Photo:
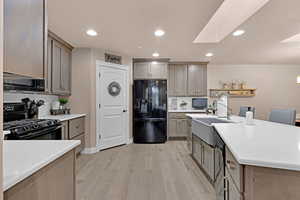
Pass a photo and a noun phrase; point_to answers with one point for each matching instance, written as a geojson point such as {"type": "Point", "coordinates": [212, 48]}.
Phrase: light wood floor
{"type": "Point", "coordinates": [142, 172]}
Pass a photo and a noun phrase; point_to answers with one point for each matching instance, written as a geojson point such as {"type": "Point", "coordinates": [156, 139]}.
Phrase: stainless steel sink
{"type": "Point", "coordinates": [203, 129]}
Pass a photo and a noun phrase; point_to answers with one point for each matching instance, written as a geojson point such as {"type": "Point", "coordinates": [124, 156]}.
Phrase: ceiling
{"type": "Point", "coordinates": [124, 26]}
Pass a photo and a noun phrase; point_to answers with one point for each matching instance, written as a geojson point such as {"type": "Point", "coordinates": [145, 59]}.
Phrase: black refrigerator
{"type": "Point", "coordinates": [150, 111]}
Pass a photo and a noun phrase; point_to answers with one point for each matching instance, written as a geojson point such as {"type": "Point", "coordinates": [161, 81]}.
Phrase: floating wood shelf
{"type": "Point", "coordinates": [232, 92]}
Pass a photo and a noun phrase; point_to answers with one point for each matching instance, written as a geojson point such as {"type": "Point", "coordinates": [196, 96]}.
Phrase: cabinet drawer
{"type": "Point", "coordinates": [177, 115]}
{"type": "Point", "coordinates": [235, 170]}
{"type": "Point", "coordinates": [76, 127]}
{"type": "Point", "coordinates": [82, 144]}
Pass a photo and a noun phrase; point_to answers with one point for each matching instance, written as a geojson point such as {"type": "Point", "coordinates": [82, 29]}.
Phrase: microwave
{"type": "Point", "coordinates": [199, 103]}
{"type": "Point", "coordinates": [14, 82]}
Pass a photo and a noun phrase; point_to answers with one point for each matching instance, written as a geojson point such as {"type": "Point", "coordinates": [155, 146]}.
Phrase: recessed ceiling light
{"type": "Point", "coordinates": [91, 32]}
{"type": "Point", "coordinates": [238, 33]}
{"type": "Point", "coordinates": [159, 33]}
{"type": "Point", "coordinates": [209, 55]}
{"type": "Point", "coordinates": [155, 54]}
{"type": "Point", "coordinates": [154, 62]}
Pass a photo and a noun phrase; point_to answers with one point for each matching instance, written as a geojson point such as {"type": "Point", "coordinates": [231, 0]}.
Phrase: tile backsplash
{"type": "Point", "coordinates": [180, 103]}
{"type": "Point", "coordinates": [43, 110]}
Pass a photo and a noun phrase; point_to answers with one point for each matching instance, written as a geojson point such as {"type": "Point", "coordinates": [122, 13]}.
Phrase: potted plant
{"type": "Point", "coordinates": [63, 102]}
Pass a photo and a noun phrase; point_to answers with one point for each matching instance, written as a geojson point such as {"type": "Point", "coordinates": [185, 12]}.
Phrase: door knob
{"type": "Point", "coordinates": [124, 111]}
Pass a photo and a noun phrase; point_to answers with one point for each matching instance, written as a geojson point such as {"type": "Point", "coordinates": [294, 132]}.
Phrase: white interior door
{"type": "Point", "coordinates": [112, 118]}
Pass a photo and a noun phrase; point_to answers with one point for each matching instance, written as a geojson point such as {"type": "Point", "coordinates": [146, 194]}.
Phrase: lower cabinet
{"type": "Point", "coordinates": [232, 193]}
{"type": "Point", "coordinates": [197, 149]}
{"type": "Point", "coordinates": [178, 127]}
{"type": "Point", "coordinates": [55, 181]}
{"type": "Point", "coordinates": [74, 129]}
{"type": "Point", "coordinates": [204, 155]}
{"type": "Point", "coordinates": [208, 160]}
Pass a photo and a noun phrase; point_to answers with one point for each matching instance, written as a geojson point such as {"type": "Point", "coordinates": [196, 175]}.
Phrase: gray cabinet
{"type": "Point", "coordinates": [197, 149]}
{"type": "Point", "coordinates": [148, 70]}
{"type": "Point", "coordinates": [208, 160]}
{"type": "Point", "coordinates": [231, 193]}
{"type": "Point", "coordinates": [178, 128]}
{"type": "Point", "coordinates": [61, 68]}
{"type": "Point", "coordinates": [74, 129]}
{"type": "Point", "coordinates": [159, 71]}
{"type": "Point", "coordinates": [197, 80]}
{"type": "Point", "coordinates": [24, 32]}
{"type": "Point", "coordinates": [141, 71]}
{"type": "Point", "coordinates": [65, 130]}
{"type": "Point", "coordinates": [177, 80]}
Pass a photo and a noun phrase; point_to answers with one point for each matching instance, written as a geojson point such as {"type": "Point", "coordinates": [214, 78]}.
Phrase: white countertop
{"type": "Point", "coordinates": [63, 117]}
{"type": "Point", "coordinates": [186, 111]}
{"type": "Point", "coordinates": [23, 158]}
{"type": "Point", "coordinates": [264, 144]}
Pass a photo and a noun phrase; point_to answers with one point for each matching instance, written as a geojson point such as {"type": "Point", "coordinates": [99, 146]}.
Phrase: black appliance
{"type": "Point", "coordinates": [150, 111]}
{"type": "Point", "coordinates": [21, 128]}
{"type": "Point", "coordinates": [14, 82]}
{"type": "Point", "coordinates": [200, 103]}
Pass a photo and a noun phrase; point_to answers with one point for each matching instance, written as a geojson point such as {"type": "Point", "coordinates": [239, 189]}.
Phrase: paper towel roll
{"type": "Point", "coordinates": [249, 118]}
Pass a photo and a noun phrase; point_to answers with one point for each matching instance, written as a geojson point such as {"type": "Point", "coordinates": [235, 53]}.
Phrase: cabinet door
{"type": "Point", "coordinates": [141, 71]}
{"type": "Point", "coordinates": [197, 149]}
{"type": "Point", "coordinates": [232, 193]}
{"type": "Point", "coordinates": [171, 80]}
{"type": "Point", "coordinates": [48, 67]}
{"type": "Point", "coordinates": [24, 32]}
{"type": "Point", "coordinates": [172, 127]}
{"type": "Point", "coordinates": [56, 67]}
{"type": "Point", "coordinates": [159, 71]}
{"type": "Point", "coordinates": [182, 127]}
{"type": "Point", "coordinates": [66, 70]}
{"type": "Point", "coordinates": [208, 160]}
{"type": "Point", "coordinates": [197, 80]}
{"type": "Point", "coordinates": [61, 69]}
{"type": "Point", "coordinates": [65, 130]}
{"type": "Point", "coordinates": [180, 80]}
{"type": "Point", "coordinates": [189, 134]}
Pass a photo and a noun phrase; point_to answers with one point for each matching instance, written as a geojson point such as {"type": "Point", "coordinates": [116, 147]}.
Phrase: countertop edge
{"type": "Point", "coordinates": [63, 118]}
{"type": "Point", "coordinates": [7, 185]}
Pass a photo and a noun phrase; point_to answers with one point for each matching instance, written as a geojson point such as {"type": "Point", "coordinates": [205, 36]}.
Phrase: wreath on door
{"type": "Point", "coordinates": [114, 88]}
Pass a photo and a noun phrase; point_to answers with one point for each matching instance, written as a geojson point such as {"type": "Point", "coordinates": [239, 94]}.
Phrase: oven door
{"type": "Point", "coordinates": [53, 133]}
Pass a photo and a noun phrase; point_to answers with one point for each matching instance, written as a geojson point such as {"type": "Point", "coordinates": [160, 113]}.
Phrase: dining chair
{"type": "Point", "coordinates": [283, 116]}
{"type": "Point", "coordinates": [244, 109]}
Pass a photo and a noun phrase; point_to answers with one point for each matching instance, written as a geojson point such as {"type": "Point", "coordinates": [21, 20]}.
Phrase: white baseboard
{"type": "Point", "coordinates": [91, 150]}
{"type": "Point", "coordinates": [129, 141]}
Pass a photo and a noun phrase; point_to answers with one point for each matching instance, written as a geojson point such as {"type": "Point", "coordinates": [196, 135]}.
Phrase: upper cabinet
{"type": "Point", "coordinates": [187, 80]}
{"type": "Point", "coordinates": [59, 66]}
{"type": "Point", "coordinates": [24, 37]}
{"type": "Point", "coordinates": [177, 85]}
{"type": "Point", "coordinates": [197, 80]}
{"type": "Point", "coordinates": [148, 70]}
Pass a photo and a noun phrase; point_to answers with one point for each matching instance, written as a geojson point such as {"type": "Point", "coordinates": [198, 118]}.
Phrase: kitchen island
{"type": "Point", "coordinates": [262, 160]}
{"type": "Point", "coordinates": [35, 170]}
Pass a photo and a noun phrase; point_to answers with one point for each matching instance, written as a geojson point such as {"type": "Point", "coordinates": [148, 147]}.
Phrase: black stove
{"type": "Point", "coordinates": [22, 128]}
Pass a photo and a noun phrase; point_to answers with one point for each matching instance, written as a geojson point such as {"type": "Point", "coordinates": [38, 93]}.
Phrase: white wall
{"type": "Point", "coordinates": [83, 99]}
{"type": "Point", "coordinates": [276, 85]}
